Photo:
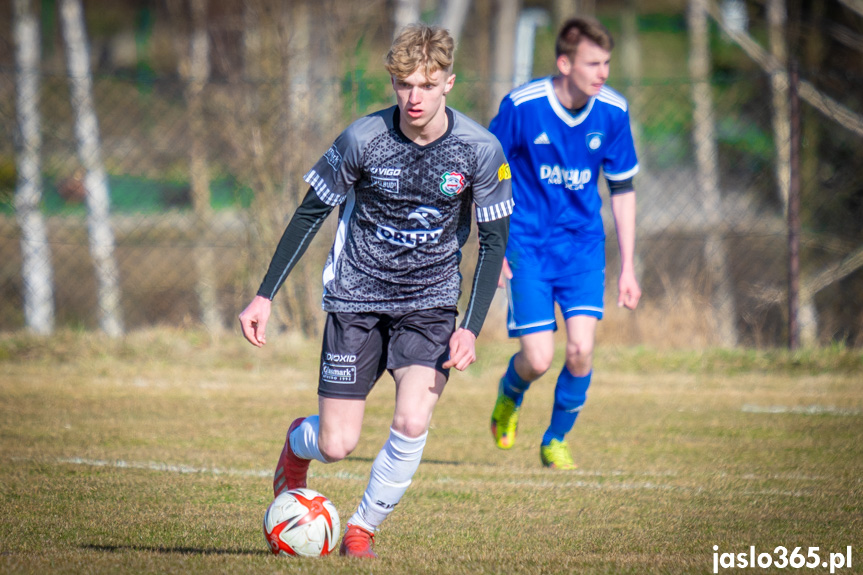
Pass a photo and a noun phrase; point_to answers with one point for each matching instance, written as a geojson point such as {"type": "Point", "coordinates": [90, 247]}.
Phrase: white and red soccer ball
{"type": "Point", "coordinates": [301, 523]}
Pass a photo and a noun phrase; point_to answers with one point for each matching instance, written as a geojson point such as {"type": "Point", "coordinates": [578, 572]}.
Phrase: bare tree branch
{"type": "Point", "coordinates": [821, 102]}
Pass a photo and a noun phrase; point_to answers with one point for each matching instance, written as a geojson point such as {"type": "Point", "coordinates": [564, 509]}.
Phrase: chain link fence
{"type": "Point", "coordinates": [713, 263]}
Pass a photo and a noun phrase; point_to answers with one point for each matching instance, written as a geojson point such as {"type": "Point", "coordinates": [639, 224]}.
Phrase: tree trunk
{"type": "Point", "coordinates": [563, 10]}
{"type": "Point", "coordinates": [630, 64]}
{"type": "Point", "coordinates": [405, 12]}
{"type": "Point", "coordinates": [525, 42]}
{"type": "Point", "coordinates": [274, 137]}
{"type": "Point", "coordinates": [776, 17]}
{"type": "Point", "coordinates": [566, 9]}
{"type": "Point", "coordinates": [807, 313]}
{"type": "Point", "coordinates": [481, 36]}
{"type": "Point", "coordinates": [297, 69]}
{"type": "Point", "coordinates": [586, 7]}
{"type": "Point", "coordinates": [252, 40]}
{"type": "Point", "coordinates": [294, 307]}
{"type": "Point", "coordinates": [503, 50]}
{"type": "Point", "coordinates": [37, 271]}
{"type": "Point", "coordinates": [812, 127]}
{"type": "Point", "coordinates": [95, 180]}
{"type": "Point", "coordinates": [192, 44]}
{"type": "Point", "coordinates": [704, 136]}
{"type": "Point", "coordinates": [196, 81]}
{"type": "Point", "coordinates": [453, 14]}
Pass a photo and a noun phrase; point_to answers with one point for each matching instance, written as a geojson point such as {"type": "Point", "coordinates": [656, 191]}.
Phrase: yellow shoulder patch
{"type": "Point", "coordinates": [503, 172]}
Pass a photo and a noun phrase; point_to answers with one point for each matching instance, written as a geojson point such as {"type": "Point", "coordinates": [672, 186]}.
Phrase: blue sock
{"type": "Point", "coordinates": [512, 385]}
{"type": "Point", "coordinates": [569, 396]}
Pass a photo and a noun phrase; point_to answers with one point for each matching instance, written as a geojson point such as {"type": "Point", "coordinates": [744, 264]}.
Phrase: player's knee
{"type": "Point", "coordinates": [537, 362]}
{"type": "Point", "coordinates": [579, 358]}
{"type": "Point", "coordinates": [410, 425]}
{"type": "Point", "coordinates": [336, 447]}
{"type": "Point", "coordinates": [579, 366]}
{"type": "Point", "coordinates": [579, 349]}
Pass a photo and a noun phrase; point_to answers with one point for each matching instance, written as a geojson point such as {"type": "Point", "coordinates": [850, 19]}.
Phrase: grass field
{"type": "Point", "coordinates": [154, 454]}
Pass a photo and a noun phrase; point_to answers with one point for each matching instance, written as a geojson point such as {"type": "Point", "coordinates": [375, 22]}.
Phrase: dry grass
{"type": "Point", "coordinates": [153, 454]}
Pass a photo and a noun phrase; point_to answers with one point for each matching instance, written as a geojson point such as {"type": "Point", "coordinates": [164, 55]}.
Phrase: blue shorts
{"type": "Point", "coordinates": [531, 301]}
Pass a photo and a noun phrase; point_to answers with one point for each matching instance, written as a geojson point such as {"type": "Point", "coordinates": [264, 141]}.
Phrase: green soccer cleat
{"type": "Point", "coordinates": [504, 421]}
{"type": "Point", "coordinates": [556, 455]}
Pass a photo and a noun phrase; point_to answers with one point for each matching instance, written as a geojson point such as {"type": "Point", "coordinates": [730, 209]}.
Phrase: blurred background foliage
{"type": "Point", "coordinates": [283, 78]}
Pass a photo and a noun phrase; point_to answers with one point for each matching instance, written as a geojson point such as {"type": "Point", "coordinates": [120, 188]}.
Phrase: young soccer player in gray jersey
{"type": "Point", "coordinates": [406, 180]}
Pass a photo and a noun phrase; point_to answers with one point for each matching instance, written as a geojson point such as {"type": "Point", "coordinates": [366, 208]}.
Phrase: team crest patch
{"type": "Point", "coordinates": [334, 158]}
{"type": "Point", "coordinates": [452, 184]}
{"type": "Point", "coordinates": [594, 141]}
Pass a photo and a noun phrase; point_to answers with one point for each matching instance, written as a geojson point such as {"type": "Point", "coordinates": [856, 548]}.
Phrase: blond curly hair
{"type": "Point", "coordinates": [420, 46]}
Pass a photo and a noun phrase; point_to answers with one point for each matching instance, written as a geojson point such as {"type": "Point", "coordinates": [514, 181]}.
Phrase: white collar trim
{"type": "Point", "coordinates": [562, 112]}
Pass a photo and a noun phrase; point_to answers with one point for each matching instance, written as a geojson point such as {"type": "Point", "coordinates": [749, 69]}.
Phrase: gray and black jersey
{"type": "Point", "coordinates": [404, 214]}
{"type": "Point", "coordinates": [405, 211]}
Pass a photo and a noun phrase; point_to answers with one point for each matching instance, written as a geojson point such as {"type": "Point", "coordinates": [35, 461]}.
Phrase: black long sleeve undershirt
{"type": "Point", "coordinates": [309, 218]}
{"type": "Point", "coordinates": [492, 247]}
{"type": "Point", "coordinates": [304, 224]}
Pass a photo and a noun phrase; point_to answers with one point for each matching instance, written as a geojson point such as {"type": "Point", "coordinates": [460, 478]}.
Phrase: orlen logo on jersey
{"type": "Point", "coordinates": [572, 179]}
{"type": "Point", "coordinates": [425, 215]}
{"type": "Point", "coordinates": [410, 238]}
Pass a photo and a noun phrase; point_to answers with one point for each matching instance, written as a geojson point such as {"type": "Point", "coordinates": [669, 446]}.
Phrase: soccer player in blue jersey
{"type": "Point", "coordinates": [407, 181]}
{"type": "Point", "coordinates": [558, 134]}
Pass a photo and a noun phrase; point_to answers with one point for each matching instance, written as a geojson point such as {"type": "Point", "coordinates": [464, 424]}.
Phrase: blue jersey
{"type": "Point", "coordinates": [555, 157]}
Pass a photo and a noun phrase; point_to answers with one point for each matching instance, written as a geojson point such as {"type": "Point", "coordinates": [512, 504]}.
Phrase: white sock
{"type": "Point", "coordinates": [392, 472]}
{"type": "Point", "coordinates": [304, 440]}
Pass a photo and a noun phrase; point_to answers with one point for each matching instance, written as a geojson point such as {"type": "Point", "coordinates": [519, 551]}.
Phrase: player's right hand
{"type": "Point", "coordinates": [628, 290]}
{"type": "Point", "coordinates": [253, 320]}
{"type": "Point", "coordinates": [462, 349]}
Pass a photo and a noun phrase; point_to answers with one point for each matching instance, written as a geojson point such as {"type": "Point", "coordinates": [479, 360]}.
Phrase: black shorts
{"type": "Point", "coordinates": [358, 347]}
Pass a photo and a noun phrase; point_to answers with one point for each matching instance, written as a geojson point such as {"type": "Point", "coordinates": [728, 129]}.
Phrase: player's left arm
{"type": "Point", "coordinates": [623, 209]}
{"type": "Point", "coordinates": [493, 236]}
{"type": "Point", "coordinates": [619, 166]}
{"type": "Point", "coordinates": [491, 191]}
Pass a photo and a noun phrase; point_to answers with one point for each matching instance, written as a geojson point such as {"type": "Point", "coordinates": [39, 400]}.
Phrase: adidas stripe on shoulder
{"type": "Point", "coordinates": [529, 91]}
{"type": "Point", "coordinates": [609, 96]}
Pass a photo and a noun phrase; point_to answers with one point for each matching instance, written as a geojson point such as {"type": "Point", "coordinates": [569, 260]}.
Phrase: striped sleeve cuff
{"type": "Point", "coordinates": [322, 189]}
{"type": "Point", "coordinates": [495, 212]}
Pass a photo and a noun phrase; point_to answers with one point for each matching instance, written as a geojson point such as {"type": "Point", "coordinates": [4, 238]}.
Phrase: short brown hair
{"type": "Point", "coordinates": [575, 30]}
{"type": "Point", "coordinates": [420, 46]}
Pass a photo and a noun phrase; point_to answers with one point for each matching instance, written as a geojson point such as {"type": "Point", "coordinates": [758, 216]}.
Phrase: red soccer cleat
{"type": "Point", "coordinates": [357, 542]}
{"type": "Point", "coordinates": [291, 470]}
